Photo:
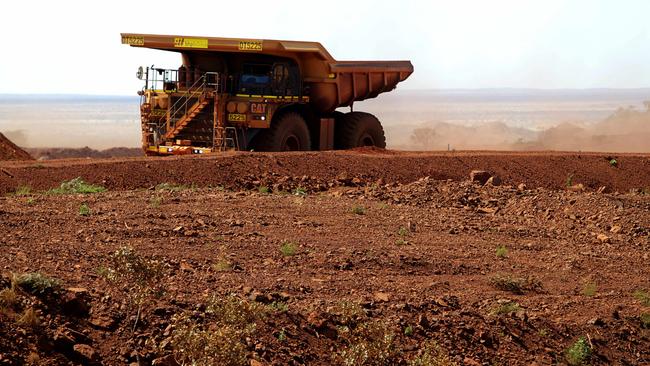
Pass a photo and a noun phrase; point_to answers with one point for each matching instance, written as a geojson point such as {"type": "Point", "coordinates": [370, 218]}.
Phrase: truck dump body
{"type": "Point", "coordinates": [331, 83]}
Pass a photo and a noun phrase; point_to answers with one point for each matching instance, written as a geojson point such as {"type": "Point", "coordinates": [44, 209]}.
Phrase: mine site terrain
{"type": "Point", "coordinates": [364, 257]}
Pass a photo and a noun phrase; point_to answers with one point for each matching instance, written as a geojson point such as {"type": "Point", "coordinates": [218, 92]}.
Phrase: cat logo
{"type": "Point", "coordinates": [258, 108]}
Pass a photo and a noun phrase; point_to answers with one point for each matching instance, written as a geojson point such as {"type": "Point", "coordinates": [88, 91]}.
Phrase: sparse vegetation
{"type": "Point", "coordinates": [155, 201]}
{"type": "Point", "coordinates": [76, 186]}
{"type": "Point", "coordinates": [29, 318]}
{"type": "Point", "coordinates": [173, 187]}
{"type": "Point", "coordinates": [279, 306]}
{"type": "Point", "coordinates": [408, 331]}
{"type": "Point", "coordinates": [38, 284]}
{"type": "Point", "coordinates": [402, 231]}
{"type": "Point", "coordinates": [8, 298]}
{"type": "Point", "coordinates": [432, 355]}
{"type": "Point", "coordinates": [579, 353]}
{"type": "Point", "coordinates": [516, 285]}
{"type": "Point", "coordinates": [569, 180]}
{"type": "Point", "coordinates": [288, 249]}
{"type": "Point", "coordinates": [219, 337]}
{"type": "Point", "coordinates": [358, 210]}
{"type": "Point", "coordinates": [222, 265]}
{"type": "Point", "coordinates": [645, 320]}
{"type": "Point", "coordinates": [502, 251]}
{"type": "Point", "coordinates": [403, 234]}
{"type": "Point", "coordinates": [84, 210]}
{"type": "Point", "coordinates": [506, 308]}
{"type": "Point", "coordinates": [263, 189]}
{"type": "Point", "coordinates": [589, 289]}
{"type": "Point", "coordinates": [370, 343]}
{"type": "Point", "coordinates": [643, 297]}
{"type": "Point", "coordinates": [23, 191]}
{"type": "Point", "coordinates": [299, 191]}
{"type": "Point", "coordinates": [140, 278]}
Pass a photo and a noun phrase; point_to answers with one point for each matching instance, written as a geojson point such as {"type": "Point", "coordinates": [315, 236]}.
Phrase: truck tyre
{"type": "Point", "coordinates": [288, 133]}
{"type": "Point", "coordinates": [358, 129]}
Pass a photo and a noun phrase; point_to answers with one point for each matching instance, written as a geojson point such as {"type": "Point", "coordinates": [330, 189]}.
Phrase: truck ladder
{"type": "Point", "coordinates": [226, 139]}
{"type": "Point", "coordinates": [188, 117]}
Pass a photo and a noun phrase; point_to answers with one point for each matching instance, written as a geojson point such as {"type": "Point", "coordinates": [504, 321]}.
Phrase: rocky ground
{"type": "Point", "coordinates": [372, 263]}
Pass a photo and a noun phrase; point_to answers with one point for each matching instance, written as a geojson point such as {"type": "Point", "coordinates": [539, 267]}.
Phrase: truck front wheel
{"type": "Point", "coordinates": [288, 133]}
{"type": "Point", "coordinates": [358, 129]}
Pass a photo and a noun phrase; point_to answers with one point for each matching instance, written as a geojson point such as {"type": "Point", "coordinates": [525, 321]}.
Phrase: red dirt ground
{"type": "Point", "coordinates": [345, 253]}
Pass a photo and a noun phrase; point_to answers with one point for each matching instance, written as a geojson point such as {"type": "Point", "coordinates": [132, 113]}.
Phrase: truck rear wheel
{"type": "Point", "coordinates": [288, 133]}
{"type": "Point", "coordinates": [358, 129]}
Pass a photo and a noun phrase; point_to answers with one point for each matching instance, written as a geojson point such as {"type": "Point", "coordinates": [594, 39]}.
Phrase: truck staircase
{"type": "Point", "coordinates": [226, 139]}
{"type": "Point", "coordinates": [188, 117]}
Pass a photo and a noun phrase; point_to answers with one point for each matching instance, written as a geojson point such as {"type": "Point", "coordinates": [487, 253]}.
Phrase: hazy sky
{"type": "Point", "coordinates": [74, 46]}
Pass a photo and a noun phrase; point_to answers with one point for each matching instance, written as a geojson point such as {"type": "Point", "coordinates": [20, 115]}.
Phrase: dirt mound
{"type": "Point", "coordinates": [84, 152]}
{"type": "Point", "coordinates": [237, 170]}
{"type": "Point", "coordinates": [9, 150]}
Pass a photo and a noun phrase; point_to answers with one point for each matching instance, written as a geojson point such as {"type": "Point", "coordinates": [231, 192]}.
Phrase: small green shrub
{"type": "Point", "coordinates": [84, 210]}
{"type": "Point", "coordinates": [569, 180]}
{"type": "Point", "coordinates": [370, 343]}
{"type": "Point", "coordinates": [155, 201]}
{"type": "Point", "coordinates": [300, 191]}
{"type": "Point", "coordinates": [279, 307]}
{"type": "Point", "coordinates": [589, 289]}
{"type": "Point", "coordinates": [358, 210]}
{"type": "Point", "coordinates": [76, 186]}
{"type": "Point", "coordinates": [222, 265]}
{"type": "Point", "coordinates": [140, 278]}
{"type": "Point", "coordinates": [506, 308]}
{"type": "Point", "coordinates": [403, 231]}
{"type": "Point", "coordinates": [219, 337]}
{"type": "Point", "coordinates": [38, 284]}
{"type": "Point", "coordinates": [645, 320]}
{"type": "Point", "coordinates": [579, 353]}
{"type": "Point", "coordinates": [23, 191]}
{"type": "Point", "coordinates": [502, 251]}
{"type": "Point", "coordinates": [263, 189]}
{"type": "Point", "coordinates": [288, 249]}
{"type": "Point", "coordinates": [643, 297]}
{"type": "Point", "coordinates": [408, 331]}
{"type": "Point", "coordinates": [172, 187]}
{"type": "Point", "coordinates": [432, 355]}
{"type": "Point", "coordinates": [516, 285]}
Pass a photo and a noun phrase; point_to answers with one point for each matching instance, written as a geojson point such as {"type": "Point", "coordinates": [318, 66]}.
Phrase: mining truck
{"type": "Point", "coordinates": [261, 95]}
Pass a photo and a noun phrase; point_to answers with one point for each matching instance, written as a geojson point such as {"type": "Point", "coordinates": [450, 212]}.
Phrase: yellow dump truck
{"type": "Point", "coordinates": [262, 95]}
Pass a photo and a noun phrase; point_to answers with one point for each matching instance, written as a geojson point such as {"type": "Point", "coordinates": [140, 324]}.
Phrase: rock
{"type": "Point", "coordinates": [487, 210]}
{"type": "Point", "coordinates": [577, 188]}
{"type": "Point", "coordinates": [165, 361]}
{"type": "Point", "coordinates": [381, 297]}
{"type": "Point", "coordinates": [103, 322]}
{"type": "Point", "coordinates": [480, 176]}
{"type": "Point", "coordinates": [615, 229]}
{"type": "Point", "coordinates": [255, 362]}
{"type": "Point", "coordinates": [494, 181]}
{"type": "Point", "coordinates": [470, 362]}
{"type": "Point", "coordinates": [85, 352]}
{"type": "Point", "coordinates": [76, 302]}
{"type": "Point", "coordinates": [603, 238]}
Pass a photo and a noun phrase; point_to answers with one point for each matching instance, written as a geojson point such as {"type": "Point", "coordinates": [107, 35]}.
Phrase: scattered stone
{"type": "Point", "coordinates": [86, 353]}
{"type": "Point", "coordinates": [603, 238]}
{"type": "Point", "coordinates": [577, 188]}
{"type": "Point", "coordinates": [480, 176]}
{"type": "Point", "coordinates": [165, 361]}
{"type": "Point", "coordinates": [76, 302]}
{"type": "Point", "coordinates": [494, 181]}
{"type": "Point", "coordinates": [381, 297]}
{"type": "Point", "coordinates": [615, 229]}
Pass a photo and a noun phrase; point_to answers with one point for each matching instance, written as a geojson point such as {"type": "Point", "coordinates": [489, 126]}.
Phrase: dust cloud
{"type": "Point", "coordinates": [626, 130]}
